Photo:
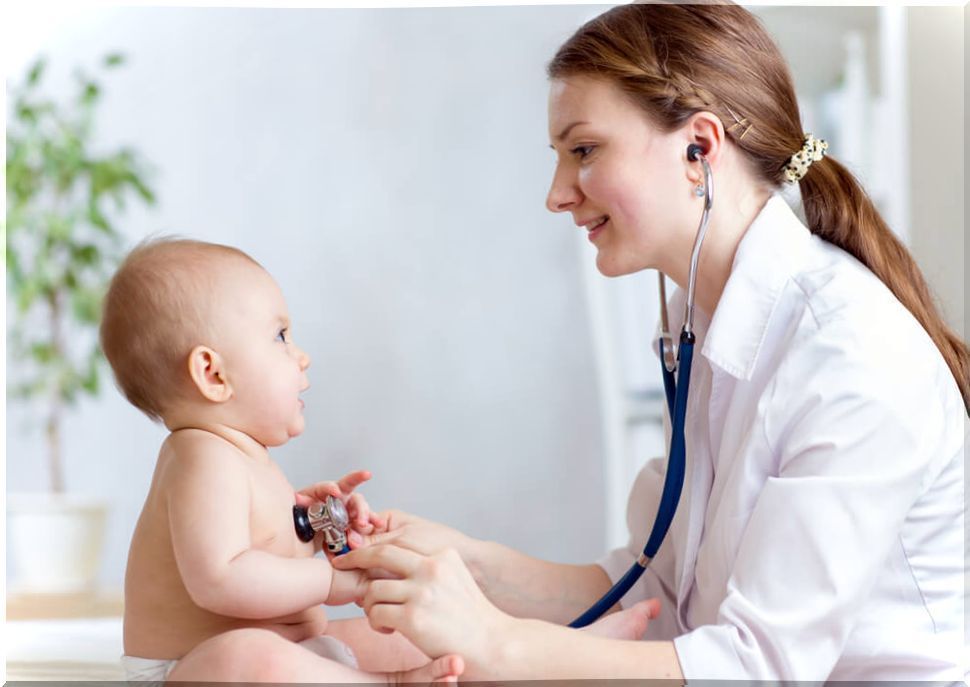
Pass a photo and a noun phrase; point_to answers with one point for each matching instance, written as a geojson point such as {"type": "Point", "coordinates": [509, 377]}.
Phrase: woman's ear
{"type": "Point", "coordinates": [207, 370]}
{"type": "Point", "coordinates": [705, 129]}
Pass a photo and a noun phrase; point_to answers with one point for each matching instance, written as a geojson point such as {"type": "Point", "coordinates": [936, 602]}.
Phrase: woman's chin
{"type": "Point", "coordinates": [609, 267]}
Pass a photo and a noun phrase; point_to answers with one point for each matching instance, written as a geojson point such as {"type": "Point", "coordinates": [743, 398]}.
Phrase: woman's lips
{"type": "Point", "coordinates": [593, 233]}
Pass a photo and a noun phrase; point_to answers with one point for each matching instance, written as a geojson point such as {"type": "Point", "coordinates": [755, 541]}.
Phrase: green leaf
{"type": "Point", "coordinates": [58, 227]}
{"type": "Point", "coordinates": [25, 113]}
{"type": "Point", "coordinates": [90, 94]}
{"type": "Point", "coordinates": [96, 218]}
{"type": "Point", "coordinates": [87, 254]}
{"type": "Point", "coordinates": [86, 305]}
{"type": "Point", "coordinates": [14, 272]}
{"type": "Point", "coordinates": [28, 294]}
{"type": "Point", "coordinates": [114, 59]}
{"type": "Point", "coordinates": [90, 382]}
{"type": "Point", "coordinates": [36, 71]}
{"type": "Point", "coordinates": [143, 191]}
{"type": "Point", "coordinates": [27, 390]}
{"type": "Point", "coordinates": [43, 352]}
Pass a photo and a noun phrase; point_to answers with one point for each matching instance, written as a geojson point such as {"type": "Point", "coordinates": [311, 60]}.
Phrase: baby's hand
{"type": "Point", "coordinates": [362, 520]}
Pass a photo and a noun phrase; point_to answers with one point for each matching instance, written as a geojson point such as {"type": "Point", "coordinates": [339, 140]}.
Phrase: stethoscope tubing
{"type": "Point", "coordinates": [676, 393]}
{"type": "Point", "coordinates": [673, 485]}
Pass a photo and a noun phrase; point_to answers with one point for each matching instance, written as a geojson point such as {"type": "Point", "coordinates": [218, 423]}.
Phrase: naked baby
{"type": "Point", "coordinates": [218, 586]}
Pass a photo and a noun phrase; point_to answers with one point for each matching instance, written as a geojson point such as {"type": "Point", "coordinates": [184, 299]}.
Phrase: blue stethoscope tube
{"type": "Point", "coordinates": [676, 394]}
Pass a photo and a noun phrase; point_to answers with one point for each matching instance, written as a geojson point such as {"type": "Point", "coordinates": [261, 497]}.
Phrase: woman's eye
{"type": "Point", "coordinates": [582, 151]}
{"type": "Point", "coordinates": [281, 336]}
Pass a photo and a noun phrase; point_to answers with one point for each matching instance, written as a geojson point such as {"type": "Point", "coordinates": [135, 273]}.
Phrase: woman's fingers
{"type": "Point", "coordinates": [393, 559]}
{"type": "Point", "coordinates": [384, 592]}
{"type": "Point", "coordinates": [385, 618]}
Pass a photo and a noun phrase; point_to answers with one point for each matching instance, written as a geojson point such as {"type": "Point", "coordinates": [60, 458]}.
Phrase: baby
{"type": "Point", "coordinates": [198, 337]}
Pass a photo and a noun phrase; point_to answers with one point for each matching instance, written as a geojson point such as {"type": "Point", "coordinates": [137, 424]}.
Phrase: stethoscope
{"type": "Point", "coordinates": [676, 393]}
{"type": "Point", "coordinates": [329, 517]}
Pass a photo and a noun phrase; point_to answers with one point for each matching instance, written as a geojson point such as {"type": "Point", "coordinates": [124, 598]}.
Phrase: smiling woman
{"type": "Point", "coordinates": [820, 535]}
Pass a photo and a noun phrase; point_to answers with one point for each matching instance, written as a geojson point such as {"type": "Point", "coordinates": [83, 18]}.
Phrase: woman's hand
{"type": "Point", "coordinates": [419, 535]}
{"type": "Point", "coordinates": [434, 601]}
{"type": "Point", "coordinates": [362, 521]}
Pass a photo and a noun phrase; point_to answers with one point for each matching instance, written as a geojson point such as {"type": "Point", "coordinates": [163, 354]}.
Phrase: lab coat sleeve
{"type": "Point", "coordinates": [854, 447]}
{"type": "Point", "coordinates": [655, 581]}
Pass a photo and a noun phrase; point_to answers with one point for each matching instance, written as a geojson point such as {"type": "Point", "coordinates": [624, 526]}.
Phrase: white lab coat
{"type": "Point", "coordinates": [820, 529]}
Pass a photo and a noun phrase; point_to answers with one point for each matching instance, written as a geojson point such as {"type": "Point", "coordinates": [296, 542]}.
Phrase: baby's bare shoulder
{"type": "Point", "coordinates": [194, 455]}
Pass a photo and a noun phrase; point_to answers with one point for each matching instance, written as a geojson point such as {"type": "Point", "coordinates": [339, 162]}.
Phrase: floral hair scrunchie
{"type": "Point", "coordinates": [814, 149]}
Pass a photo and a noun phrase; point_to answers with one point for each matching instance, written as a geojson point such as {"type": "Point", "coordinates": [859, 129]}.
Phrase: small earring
{"type": "Point", "coordinates": [699, 190]}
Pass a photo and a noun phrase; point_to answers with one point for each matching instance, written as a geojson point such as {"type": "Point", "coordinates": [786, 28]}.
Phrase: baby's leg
{"type": "Point", "coordinates": [253, 655]}
{"type": "Point", "coordinates": [629, 623]}
{"type": "Point", "coordinates": [376, 651]}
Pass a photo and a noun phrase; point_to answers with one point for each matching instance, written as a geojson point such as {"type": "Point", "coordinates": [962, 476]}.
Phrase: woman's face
{"type": "Point", "coordinates": [622, 179]}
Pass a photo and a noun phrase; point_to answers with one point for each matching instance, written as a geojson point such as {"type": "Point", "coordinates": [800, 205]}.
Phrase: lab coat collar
{"type": "Point", "coordinates": [767, 256]}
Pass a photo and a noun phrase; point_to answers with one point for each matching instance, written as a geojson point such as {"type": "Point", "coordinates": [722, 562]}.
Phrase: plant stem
{"type": "Point", "coordinates": [54, 419]}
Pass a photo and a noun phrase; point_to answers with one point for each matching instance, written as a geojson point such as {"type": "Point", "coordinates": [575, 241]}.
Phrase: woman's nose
{"type": "Point", "coordinates": [304, 359]}
{"type": "Point", "coordinates": [563, 194]}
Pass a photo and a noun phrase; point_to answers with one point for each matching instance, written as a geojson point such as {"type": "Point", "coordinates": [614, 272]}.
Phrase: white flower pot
{"type": "Point", "coordinates": [55, 542]}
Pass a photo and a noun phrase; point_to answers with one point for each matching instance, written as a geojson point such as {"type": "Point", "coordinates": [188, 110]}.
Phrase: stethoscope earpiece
{"type": "Point", "coordinates": [694, 151]}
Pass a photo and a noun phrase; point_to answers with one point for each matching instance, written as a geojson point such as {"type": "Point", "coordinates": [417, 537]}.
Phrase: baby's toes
{"type": "Point", "coordinates": [447, 668]}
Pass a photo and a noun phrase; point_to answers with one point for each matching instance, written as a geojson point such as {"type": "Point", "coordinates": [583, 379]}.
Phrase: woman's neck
{"type": "Point", "coordinates": [731, 215]}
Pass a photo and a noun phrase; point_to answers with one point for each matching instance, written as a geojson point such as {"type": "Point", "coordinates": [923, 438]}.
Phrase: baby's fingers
{"type": "Point", "coordinates": [348, 483]}
{"type": "Point", "coordinates": [359, 512]}
{"type": "Point", "coordinates": [320, 491]}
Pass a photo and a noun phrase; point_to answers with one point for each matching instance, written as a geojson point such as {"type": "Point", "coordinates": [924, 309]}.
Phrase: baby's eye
{"type": "Point", "coordinates": [582, 151]}
{"type": "Point", "coordinates": [281, 335]}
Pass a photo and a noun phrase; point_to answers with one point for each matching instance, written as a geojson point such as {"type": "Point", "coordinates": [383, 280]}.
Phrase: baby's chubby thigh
{"type": "Point", "coordinates": [257, 655]}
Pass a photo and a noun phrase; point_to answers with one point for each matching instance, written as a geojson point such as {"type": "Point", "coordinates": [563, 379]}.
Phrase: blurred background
{"type": "Point", "coordinates": [389, 167]}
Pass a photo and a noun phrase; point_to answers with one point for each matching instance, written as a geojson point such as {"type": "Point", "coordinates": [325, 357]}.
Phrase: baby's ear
{"type": "Point", "coordinates": [207, 370]}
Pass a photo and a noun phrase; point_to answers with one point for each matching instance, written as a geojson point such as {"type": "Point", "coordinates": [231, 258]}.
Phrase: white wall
{"type": "Point", "coordinates": [938, 130]}
{"type": "Point", "coordinates": [389, 167]}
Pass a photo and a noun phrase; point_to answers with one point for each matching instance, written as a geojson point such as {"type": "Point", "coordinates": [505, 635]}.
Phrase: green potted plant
{"type": "Point", "coordinates": [61, 247]}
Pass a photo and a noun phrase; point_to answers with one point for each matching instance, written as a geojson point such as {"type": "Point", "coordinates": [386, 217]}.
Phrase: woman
{"type": "Point", "coordinates": [819, 534]}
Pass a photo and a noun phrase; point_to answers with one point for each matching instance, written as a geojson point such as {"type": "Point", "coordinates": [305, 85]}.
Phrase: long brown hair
{"type": "Point", "coordinates": [675, 60]}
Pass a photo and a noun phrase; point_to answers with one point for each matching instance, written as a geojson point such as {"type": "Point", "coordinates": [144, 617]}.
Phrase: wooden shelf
{"type": "Point", "coordinates": [94, 604]}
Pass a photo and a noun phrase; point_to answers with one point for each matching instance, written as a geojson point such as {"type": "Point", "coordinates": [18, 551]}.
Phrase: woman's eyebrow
{"type": "Point", "coordinates": [565, 132]}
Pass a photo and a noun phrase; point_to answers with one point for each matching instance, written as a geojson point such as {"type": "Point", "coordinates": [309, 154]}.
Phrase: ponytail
{"type": "Point", "coordinates": [839, 211]}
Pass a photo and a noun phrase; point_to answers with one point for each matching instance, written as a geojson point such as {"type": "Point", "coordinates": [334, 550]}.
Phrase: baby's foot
{"type": "Point", "coordinates": [630, 623]}
{"type": "Point", "coordinates": [444, 669]}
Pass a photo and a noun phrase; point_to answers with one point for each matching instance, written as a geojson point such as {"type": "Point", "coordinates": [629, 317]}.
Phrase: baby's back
{"type": "Point", "coordinates": [161, 619]}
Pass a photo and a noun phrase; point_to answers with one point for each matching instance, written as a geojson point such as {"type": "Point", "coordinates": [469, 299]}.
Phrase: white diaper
{"type": "Point", "coordinates": [156, 670]}
{"type": "Point", "coordinates": [146, 669]}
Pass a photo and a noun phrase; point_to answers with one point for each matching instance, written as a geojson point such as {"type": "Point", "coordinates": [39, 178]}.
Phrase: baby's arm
{"type": "Point", "coordinates": [209, 512]}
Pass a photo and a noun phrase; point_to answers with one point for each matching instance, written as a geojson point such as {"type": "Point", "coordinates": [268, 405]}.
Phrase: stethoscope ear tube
{"type": "Point", "coordinates": [676, 463]}
{"type": "Point", "coordinates": [673, 484]}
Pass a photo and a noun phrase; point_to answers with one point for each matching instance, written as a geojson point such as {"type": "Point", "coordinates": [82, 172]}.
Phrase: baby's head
{"type": "Point", "coordinates": [198, 333]}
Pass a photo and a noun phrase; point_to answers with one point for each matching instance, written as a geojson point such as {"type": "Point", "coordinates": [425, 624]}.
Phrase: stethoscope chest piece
{"type": "Point", "coordinates": [329, 517]}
